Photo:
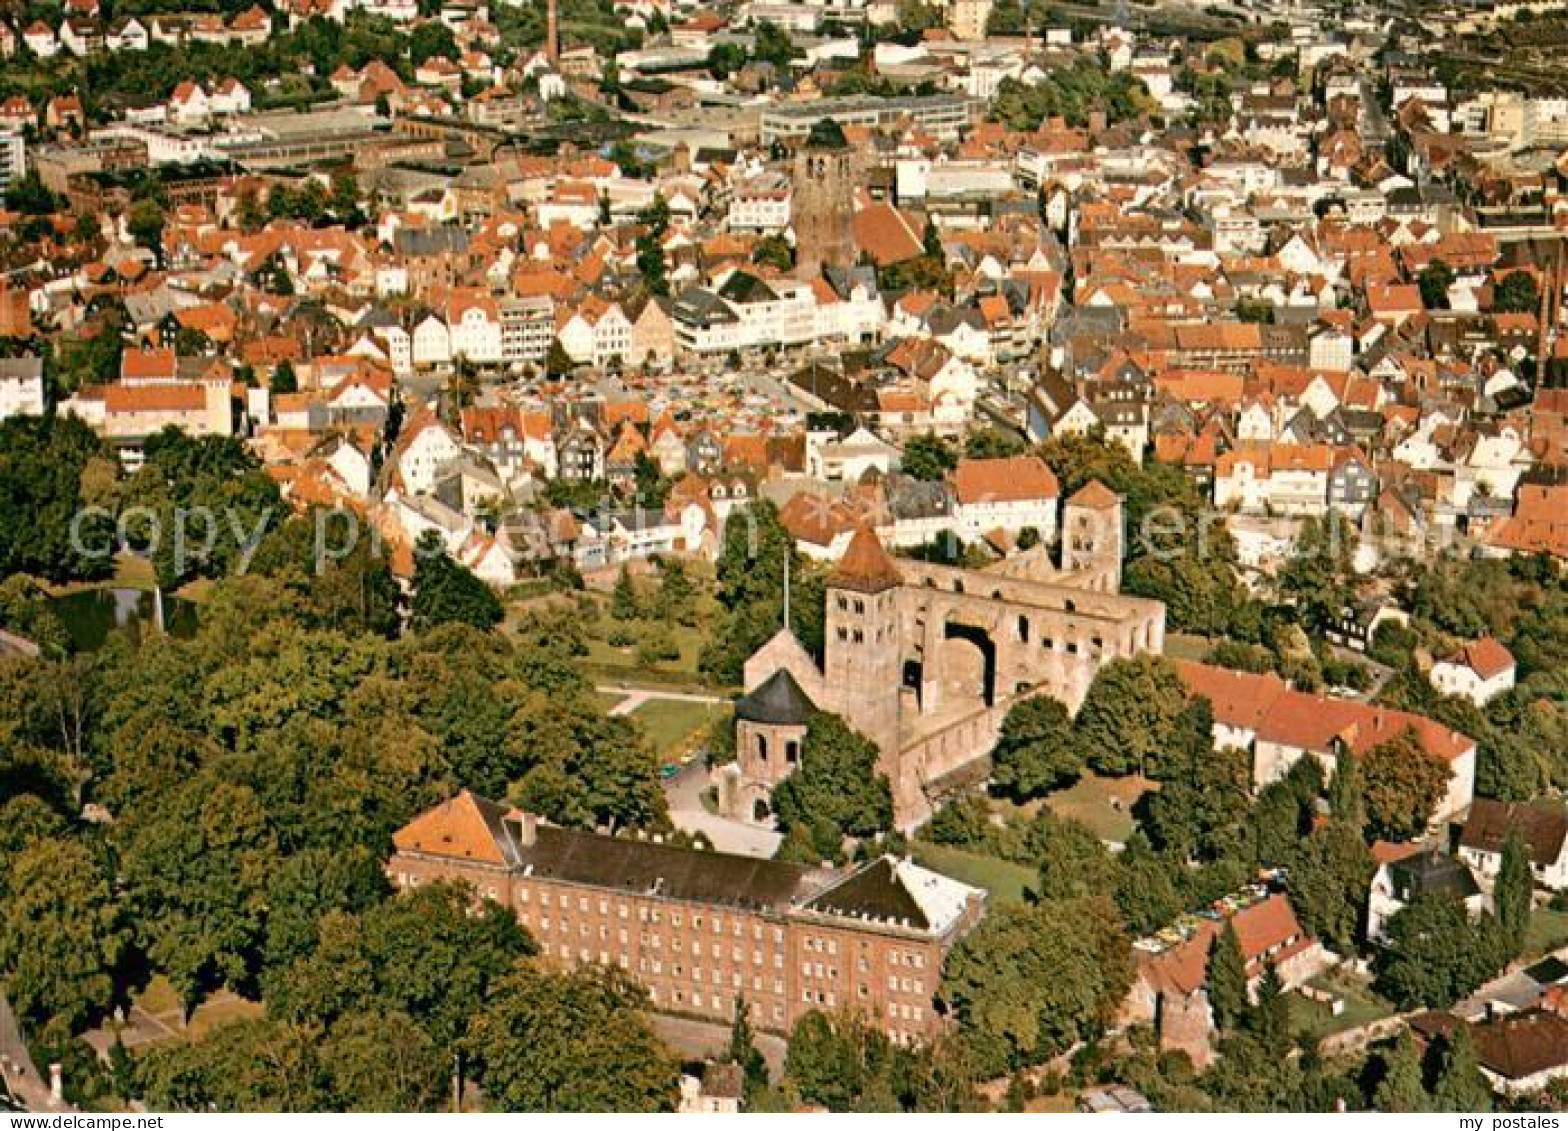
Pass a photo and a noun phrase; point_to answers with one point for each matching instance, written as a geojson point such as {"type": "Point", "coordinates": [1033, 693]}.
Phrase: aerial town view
{"type": "Point", "coordinates": [783, 556]}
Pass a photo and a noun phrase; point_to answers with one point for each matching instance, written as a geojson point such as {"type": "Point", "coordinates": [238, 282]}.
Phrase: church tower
{"type": "Point", "coordinates": [1092, 535]}
{"type": "Point", "coordinates": [822, 201]}
{"type": "Point", "coordinates": [862, 652]}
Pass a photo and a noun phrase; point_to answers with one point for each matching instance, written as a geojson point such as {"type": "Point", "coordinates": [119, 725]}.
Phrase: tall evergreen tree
{"type": "Point", "coordinates": [1345, 799]}
{"type": "Point", "coordinates": [1401, 1088]}
{"type": "Point", "coordinates": [445, 592]}
{"type": "Point", "coordinates": [1269, 1018]}
{"type": "Point", "coordinates": [1511, 896]}
{"type": "Point", "coordinates": [1227, 974]}
{"type": "Point", "coordinates": [1459, 1083]}
{"type": "Point", "coordinates": [743, 1051]}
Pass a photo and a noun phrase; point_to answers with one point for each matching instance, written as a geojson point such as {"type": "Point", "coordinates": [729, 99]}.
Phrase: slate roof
{"type": "Point", "coordinates": [777, 701]}
{"type": "Point", "coordinates": [1431, 873]}
{"type": "Point", "coordinates": [873, 893]}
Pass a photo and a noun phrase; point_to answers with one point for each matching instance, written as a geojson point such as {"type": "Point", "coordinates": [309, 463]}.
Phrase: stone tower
{"type": "Point", "coordinates": [822, 202]}
{"type": "Point", "coordinates": [862, 651]}
{"type": "Point", "coordinates": [1092, 535]}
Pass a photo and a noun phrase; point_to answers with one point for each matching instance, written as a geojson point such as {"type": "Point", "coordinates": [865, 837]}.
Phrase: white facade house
{"type": "Point", "coordinates": [21, 387]}
{"type": "Point", "coordinates": [474, 326]}
{"type": "Point", "coordinates": [432, 343]}
{"type": "Point", "coordinates": [1541, 826]}
{"type": "Point", "coordinates": [424, 452]}
{"type": "Point", "coordinates": [1399, 882]}
{"type": "Point", "coordinates": [1480, 672]}
{"type": "Point", "coordinates": [1007, 495]}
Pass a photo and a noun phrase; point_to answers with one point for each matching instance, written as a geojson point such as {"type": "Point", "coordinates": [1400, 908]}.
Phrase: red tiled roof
{"type": "Point", "coordinates": [1013, 479]}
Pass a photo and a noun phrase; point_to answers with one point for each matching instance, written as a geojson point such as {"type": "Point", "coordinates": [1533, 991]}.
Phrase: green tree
{"type": "Point", "coordinates": [1329, 874]}
{"type": "Point", "coordinates": [1346, 800]}
{"type": "Point", "coordinates": [1460, 1086]}
{"type": "Point", "coordinates": [445, 592]}
{"type": "Point", "coordinates": [1401, 1088]}
{"type": "Point", "coordinates": [1402, 783]}
{"type": "Point", "coordinates": [772, 44]}
{"type": "Point", "coordinates": [432, 39]}
{"type": "Point", "coordinates": [194, 865]}
{"type": "Point", "coordinates": [1316, 579]}
{"type": "Point", "coordinates": [623, 598]}
{"type": "Point", "coordinates": [283, 379]}
{"type": "Point", "coordinates": [1074, 863]}
{"type": "Point", "coordinates": [145, 225]}
{"type": "Point", "coordinates": [928, 457]}
{"type": "Point", "coordinates": [1035, 752]}
{"type": "Point", "coordinates": [434, 958]}
{"type": "Point", "coordinates": [43, 461]}
{"type": "Point", "coordinates": [572, 1041]}
{"type": "Point", "coordinates": [1517, 293]}
{"type": "Point", "coordinates": [1435, 279]}
{"type": "Point", "coordinates": [836, 791]}
{"type": "Point", "coordinates": [1435, 955]}
{"type": "Point", "coordinates": [1032, 980]}
{"type": "Point", "coordinates": [773, 250]}
{"type": "Point", "coordinates": [61, 936]}
{"type": "Point", "coordinates": [655, 220]}
{"type": "Point", "coordinates": [1227, 978]}
{"type": "Point", "coordinates": [724, 59]}
{"type": "Point", "coordinates": [1512, 894]}
{"type": "Point", "coordinates": [750, 573]}
{"type": "Point", "coordinates": [743, 1051]}
{"type": "Point", "coordinates": [1145, 892]}
{"type": "Point", "coordinates": [1130, 713]}
{"type": "Point", "coordinates": [383, 1061]}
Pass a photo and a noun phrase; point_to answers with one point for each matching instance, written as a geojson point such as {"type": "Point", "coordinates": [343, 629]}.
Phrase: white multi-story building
{"type": "Point", "coordinates": [13, 157]}
{"type": "Point", "coordinates": [761, 204]}
{"type": "Point", "coordinates": [527, 328]}
{"type": "Point", "coordinates": [21, 387]}
{"type": "Point", "coordinates": [474, 323]}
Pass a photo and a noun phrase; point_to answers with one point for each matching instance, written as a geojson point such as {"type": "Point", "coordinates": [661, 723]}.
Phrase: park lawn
{"type": "Point", "coordinates": [1006, 881]}
{"type": "Point", "coordinates": [221, 1009]}
{"type": "Point", "coordinates": [1548, 931]}
{"type": "Point", "coordinates": [674, 725]}
{"type": "Point", "coordinates": [130, 572]}
{"type": "Point", "coordinates": [1103, 804]}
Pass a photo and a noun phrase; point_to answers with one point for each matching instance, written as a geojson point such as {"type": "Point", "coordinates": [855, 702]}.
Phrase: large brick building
{"type": "Point", "coordinates": [699, 929]}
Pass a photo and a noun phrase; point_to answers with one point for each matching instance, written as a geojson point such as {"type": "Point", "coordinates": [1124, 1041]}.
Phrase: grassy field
{"type": "Point", "coordinates": [1548, 931]}
{"type": "Point", "coordinates": [1314, 1021]}
{"type": "Point", "coordinates": [673, 726]}
{"type": "Point", "coordinates": [1005, 880]}
{"type": "Point", "coordinates": [1103, 804]}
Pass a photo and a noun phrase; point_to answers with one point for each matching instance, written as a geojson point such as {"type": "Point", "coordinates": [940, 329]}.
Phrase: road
{"type": "Point", "coordinates": [1375, 130]}
{"type": "Point", "coordinates": [21, 1077]}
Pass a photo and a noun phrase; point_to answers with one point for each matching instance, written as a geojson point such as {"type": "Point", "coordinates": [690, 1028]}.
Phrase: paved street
{"type": "Point", "coordinates": [22, 1078]}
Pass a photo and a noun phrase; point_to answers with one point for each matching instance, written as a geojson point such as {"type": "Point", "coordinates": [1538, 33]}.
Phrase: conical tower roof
{"type": "Point", "coordinates": [865, 566]}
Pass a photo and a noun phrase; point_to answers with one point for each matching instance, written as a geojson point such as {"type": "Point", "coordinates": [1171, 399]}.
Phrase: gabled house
{"type": "Point", "coordinates": [1541, 826]}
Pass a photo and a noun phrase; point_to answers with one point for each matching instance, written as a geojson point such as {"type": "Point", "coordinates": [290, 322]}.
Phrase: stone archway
{"type": "Point", "coordinates": [968, 665]}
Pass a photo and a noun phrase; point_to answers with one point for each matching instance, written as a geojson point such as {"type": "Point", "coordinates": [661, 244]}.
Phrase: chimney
{"type": "Point", "coordinates": [552, 32]}
{"type": "Point", "coordinates": [56, 1082]}
{"type": "Point", "coordinates": [524, 827]}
